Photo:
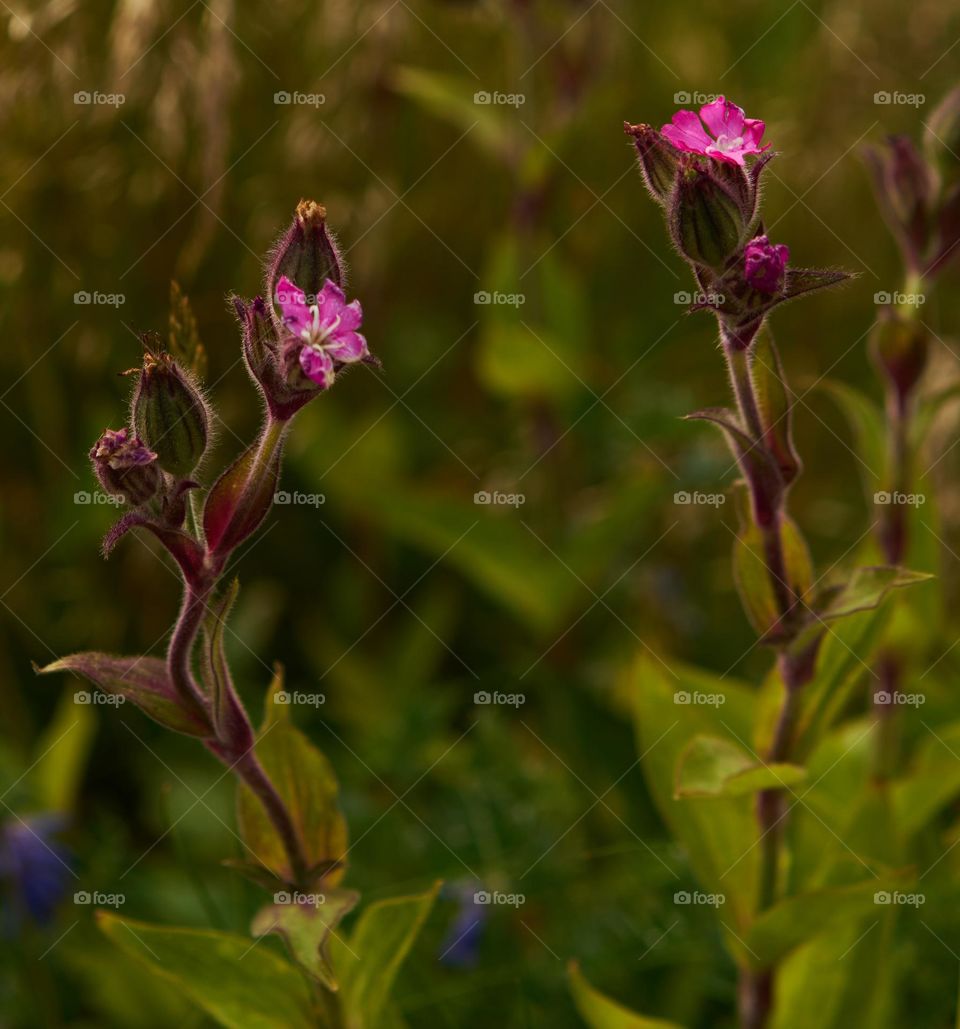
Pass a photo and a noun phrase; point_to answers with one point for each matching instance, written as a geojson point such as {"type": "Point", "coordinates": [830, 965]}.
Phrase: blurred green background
{"type": "Point", "coordinates": [399, 598]}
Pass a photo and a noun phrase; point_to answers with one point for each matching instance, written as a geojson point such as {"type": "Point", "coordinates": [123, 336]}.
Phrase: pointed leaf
{"type": "Point", "coordinates": [867, 587]}
{"type": "Point", "coordinates": [305, 781]}
{"type": "Point", "coordinates": [179, 544]}
{"type": "Point", "coordinates": [600, 1012]}
{"type": "Point", "coordinates": [367, 967]}
{"type": "Point", "coordinates": [798, 919]}
{"type": "Point", "coordinates": [711, 766]}
{"type": "Point", "coordinates": [800, 281]}
{"type": "Point", "coordinates": [239, 984]}
{"type": "Point", "coordinates": [306, 924]}
{"type": "Point", "coordinates": [141, 680]}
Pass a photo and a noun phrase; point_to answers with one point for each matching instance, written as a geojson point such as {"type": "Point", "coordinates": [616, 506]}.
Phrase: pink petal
{"type": "Point", "coordinates": [317, 365]}
{"type": "Point", "coordinates": [686, 133]}
{"type": "Point", "coordinates": [351, 316]}
{"type": "Point", "coordinates": [730, 156]}
{"type": "Point", "coordinates": [753, 129]}
{"type": "Point", "coordinates": [330, 300]}
{"type": "Point", "coordinates": [348, 347]}
{"type": "Point", "coordinates": [293, 305]}
{"type": "Point", "coordinates": [723, 117]}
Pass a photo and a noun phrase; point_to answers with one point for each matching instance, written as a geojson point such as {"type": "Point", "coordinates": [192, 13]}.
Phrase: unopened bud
{"type": "Point", "coordinates": [170, 414]}
{"type": "Point", "coordinates": [904, 185]}
{"type": "Point", "coordinates": [706, 220]}
{"type": "Point", "coordinates": [899, 347]}
{"type": "Point", "coordinates": [307, 254]}
{"type": "Point", "coordinates": [125, 467]}
{"type": "Point", "coordinates": [657, 159]}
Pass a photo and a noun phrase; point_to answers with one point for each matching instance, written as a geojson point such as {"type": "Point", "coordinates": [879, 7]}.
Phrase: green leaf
{"type": "Point", "coordinates": [711, 766]}
{"type": "Point", "coordinates": [600, 1012]}
{"type": "Point", "coordinates": [141, 680]}
{"type": "Point", "coordinates": [305, 781]}
{"type": "Point", "coordinates": [840, 979]}
{"type": "Point", "coordinates": [238, 983]}
{"type": "Point", "coordinates": [754, 584]}
{"type": "Point", "coordinates": [866, 587]}
{"type": "Point", "coordinates": [306, 925]}
{"type": "Point", "coordinates": [57, 772]}
{"type": "Point", "coordinates": [868, 425]}
{"type": "Point", "coordinates": [718, 833]}
{"type": "Point", "coordinates": [367, 966]}
{"type": "Point", "coordinates": [797, 919]}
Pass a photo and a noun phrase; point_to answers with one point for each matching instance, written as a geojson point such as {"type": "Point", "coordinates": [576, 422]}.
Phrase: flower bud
{"type": "Point", "coordinates": [941, 138]}
{"type": "Point", "coordinates": [904, 185]}
{"type": "Point", "coordinates": [657, 159]}
{"type": "Point", "coordinates": [170, 414]}
{"type": "Point", "coordinates": [899, 347]}
{"type": "Point", "coordinates": [306, 255]}
{"type": "Point", "coordinates": [765, 264]}
{"type": "Point", "coordinates": [125, 467]}
{"type": "Point", "coordinates": [706, 220]}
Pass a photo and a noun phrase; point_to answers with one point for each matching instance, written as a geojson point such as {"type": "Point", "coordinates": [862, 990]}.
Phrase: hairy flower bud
{"type": "Point", "coordinates": [657, 159]}
{"type": "Point", "coordinates": [170, 414]}
{"type": "Point", "coordinates": [899, 347]}
{"type": "Point", "coordinates": [125, 467]}
{"type": "Point", "coordinates": [306, 255]}
{"type": "Point", "coordinates": [765, 264]}
{"type": "Point", "coordinates": [706, 220]}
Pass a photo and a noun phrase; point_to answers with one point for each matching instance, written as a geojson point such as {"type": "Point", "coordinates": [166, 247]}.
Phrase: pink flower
{"type": "Point", "coordinates": [734, 136]}
{"type": "Point", "coordinates": [765, 264]}
{"type": "Point", "coordinates": [326, 327]}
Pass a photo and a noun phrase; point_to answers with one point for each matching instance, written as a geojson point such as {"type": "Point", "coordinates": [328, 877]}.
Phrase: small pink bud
{"type": "Point", "coordinates": [125, 467]}
{"type": "Point", "coordinates": [765, 264]}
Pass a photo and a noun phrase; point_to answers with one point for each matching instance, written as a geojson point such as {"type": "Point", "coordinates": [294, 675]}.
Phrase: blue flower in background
{"type": "Point", "coordinates": [33, 869]}
{"type": "Point", "coordinates": [460, 947]}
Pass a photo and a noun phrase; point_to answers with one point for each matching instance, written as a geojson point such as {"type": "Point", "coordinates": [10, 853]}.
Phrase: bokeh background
{"type": "Point", "coordinates": [398, 598]}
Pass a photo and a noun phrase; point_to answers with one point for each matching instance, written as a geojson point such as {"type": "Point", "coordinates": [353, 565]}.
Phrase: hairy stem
{"type": "Point", "coordinates": [249, 769]}
{"type": "Point", "coordinates": [180, 651]}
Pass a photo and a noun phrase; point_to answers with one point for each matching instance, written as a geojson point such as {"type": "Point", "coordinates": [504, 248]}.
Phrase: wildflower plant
{"type": "Point", "coordinates": [730, 777]}
{"type": "Point", "coordinates": [298, 340]}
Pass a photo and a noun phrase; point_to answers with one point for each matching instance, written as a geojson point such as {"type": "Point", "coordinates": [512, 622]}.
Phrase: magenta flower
{"type": "Point", "coordinates": [734, 136]}
{"type": "Point", "coordinates": [326, 327]}
{"type": "Point", "coordinates": [765, 264]}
